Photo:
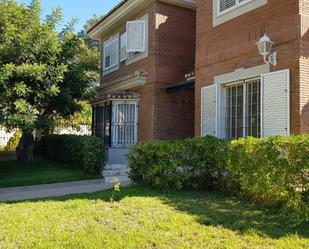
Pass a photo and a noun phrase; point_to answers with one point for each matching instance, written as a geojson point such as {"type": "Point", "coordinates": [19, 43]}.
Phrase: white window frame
{"type": "Point", "coordinates": [109, 42]}
{"type": "Point", "coordinates": [220, 17]}
{"type": "Point", "coordinates": [114, 135]}
{"type": "Point", "coordinates": [244, 83]}
{"type": "Point", "coordinates": [143, 22]}
{"type": "Point", "coordinates": [141, 55]}
{"type": "Point", "coordinates": [238, 4]}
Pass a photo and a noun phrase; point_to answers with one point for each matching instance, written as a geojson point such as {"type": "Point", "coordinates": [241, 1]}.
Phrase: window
{"type": "Point", "coordinates": [243, 109]}
{"type": "Point", "coordinates": [136, 36]}
{"type": "Point", "coordinates": [225, 5]}
{"type": "Point", "coordinates": [123, 47]}
{"type": "Point", "coordinates": [124, 123]}
{"type": "Point", "coordinates": [110, 53]}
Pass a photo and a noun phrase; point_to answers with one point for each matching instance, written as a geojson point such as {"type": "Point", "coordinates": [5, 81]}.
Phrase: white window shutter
{"type": "Point", "coordinates": [275, 102]}
{"type": "Point", "coordinates": [208, 110]}
{"type": "Point", "coordinates": [136, 36]}
{"type": "Point", "coordinates": [123, 47]}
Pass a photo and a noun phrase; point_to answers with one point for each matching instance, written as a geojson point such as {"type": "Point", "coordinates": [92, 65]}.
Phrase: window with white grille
{"type": "Point", "coordinates": [124, 123]}
{"type": "Point", "coordinates": [243, 109]}
{"type": "Point", "coordinates": [225, 5]}
{"type": "Point", "coordinates": [110, 53]}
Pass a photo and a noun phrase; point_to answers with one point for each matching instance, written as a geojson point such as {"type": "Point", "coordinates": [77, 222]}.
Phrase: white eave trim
{"type": "Point", "coordinates": [129, 8]}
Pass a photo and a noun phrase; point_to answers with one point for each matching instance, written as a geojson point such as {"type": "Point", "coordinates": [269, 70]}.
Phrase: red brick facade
{"type": "Point", "coordinates": [231, 45]}
{"type": "Point", "coordinates": [171, 54]}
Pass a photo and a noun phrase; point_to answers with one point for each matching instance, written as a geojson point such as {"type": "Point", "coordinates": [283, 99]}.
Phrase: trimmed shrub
{"type": "Point", "coordinates": [13, 141]}
{"type": "Point", "coordinates": [197, 163]}
{"type": "Point", "coordinates": [273, 170]}
{"type": "Point", "coordinates": [85, 152]}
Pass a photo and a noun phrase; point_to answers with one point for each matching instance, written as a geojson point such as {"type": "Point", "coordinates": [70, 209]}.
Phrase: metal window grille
{"type": "Point", "coordinates": [243, 109]}
{"type": "Point", "coordinates": [124, 124]}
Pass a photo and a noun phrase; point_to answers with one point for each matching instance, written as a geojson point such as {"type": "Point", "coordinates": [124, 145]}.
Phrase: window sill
{"type": "Point", "coordinates": [110, 70]}
{"type": "Point", "coordinates": [136, 58]}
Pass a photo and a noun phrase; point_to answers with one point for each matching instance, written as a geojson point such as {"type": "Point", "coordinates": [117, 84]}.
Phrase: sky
{"type": "Point", "coordinates": [83, 10]}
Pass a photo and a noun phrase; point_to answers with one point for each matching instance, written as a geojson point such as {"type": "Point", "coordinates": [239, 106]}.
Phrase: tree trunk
{"type": "Point", "coordinates": [24, 150]}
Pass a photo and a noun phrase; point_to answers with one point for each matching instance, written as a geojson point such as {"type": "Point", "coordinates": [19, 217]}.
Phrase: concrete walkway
{"type": "Point", "coordinates": [53, 190]}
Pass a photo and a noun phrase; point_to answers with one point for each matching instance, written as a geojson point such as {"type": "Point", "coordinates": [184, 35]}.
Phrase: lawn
{"type": "Point", "coordinates": [143, 218]}
{"type": "Point", "coordinates": [39, 172]}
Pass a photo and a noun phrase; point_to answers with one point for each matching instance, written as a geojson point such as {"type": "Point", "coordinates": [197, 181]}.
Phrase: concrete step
{"type": "Point", "coordinates": [121, 172]}
{"type": "Point", "coordinates": [122, 179]}
{"type": "Point", "coordinates": [116, 166]}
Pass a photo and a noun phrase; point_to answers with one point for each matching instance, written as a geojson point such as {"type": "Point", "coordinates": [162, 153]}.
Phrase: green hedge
{"type": "Point", "coordinates": [274, 170]}
{"type": "Point", "coordinates": [85, 152]}
{"type": "Point", "coordinates": [192, 163]}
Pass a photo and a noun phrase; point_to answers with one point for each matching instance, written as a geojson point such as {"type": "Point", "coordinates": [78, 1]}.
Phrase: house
{"type": "Point", "coordinates": [250, 78]}
{"type": "Point", "coordinates": [147, 89]}
{"type": "Point", "coordinates": [238, 91]}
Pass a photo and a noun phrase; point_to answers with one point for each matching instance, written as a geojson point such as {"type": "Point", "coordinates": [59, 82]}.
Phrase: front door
{"type": "Point", "coordinates": [124, 123]}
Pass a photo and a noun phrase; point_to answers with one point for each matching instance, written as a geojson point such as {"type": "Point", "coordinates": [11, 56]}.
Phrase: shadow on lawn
{"type": "Point", "coordinates": [213, 209]}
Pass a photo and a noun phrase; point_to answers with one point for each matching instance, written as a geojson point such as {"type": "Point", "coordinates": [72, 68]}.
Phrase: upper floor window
{"type": "Point", "coordinates": [226, 10]}
{"type": "Point", "coordinates": [111, 50]}
{"type": "Point", "coordinates": [136, 36]}
{"type": "Point", "coordinates": [225, 5]}
{"type": "Point", "coordinates": [130, 46]}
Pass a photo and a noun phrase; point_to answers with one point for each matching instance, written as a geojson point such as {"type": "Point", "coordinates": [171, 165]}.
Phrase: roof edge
{"type": "Point", "coordinates": [125, 7]}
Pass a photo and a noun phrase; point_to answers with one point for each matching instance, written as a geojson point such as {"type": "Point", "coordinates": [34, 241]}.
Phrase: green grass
{"type": "Point", "coordinates": [39, 172]}
{"type": "Point", "coordinates": [143, 218]}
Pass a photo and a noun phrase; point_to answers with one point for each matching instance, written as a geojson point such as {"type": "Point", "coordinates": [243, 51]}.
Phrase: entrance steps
{"type": "Point", "coordinates": [113, 171]}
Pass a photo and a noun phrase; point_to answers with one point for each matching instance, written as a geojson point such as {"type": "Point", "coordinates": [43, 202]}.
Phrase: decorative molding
{"type": "Point", "coordinates": [137, 79]}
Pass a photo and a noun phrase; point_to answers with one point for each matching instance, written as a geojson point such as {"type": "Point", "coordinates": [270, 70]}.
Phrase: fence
{"type": "Point", "coordinates": [84, 130]}
{"type": "Point", "coordinates": [5, 136]}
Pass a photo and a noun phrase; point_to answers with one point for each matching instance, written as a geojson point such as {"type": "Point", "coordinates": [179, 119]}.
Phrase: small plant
{"type": "Point", "coordinates": [116, 188]}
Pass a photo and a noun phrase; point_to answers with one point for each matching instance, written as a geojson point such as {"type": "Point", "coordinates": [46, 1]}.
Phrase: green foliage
{"type": "Point", "coordinates": [84, 117]}
{"type": "Point", "coordinates": [184, 164]}
{"type": "Point", "coordinates": [43, 74]}
{"type": "Point", "coordinates": [116, 188]}
{"type": "Point", "coordinates": [84, 152]}
{"type": "Point", "coordinates": [273, 170]}
{"type": "Point", "coordinates": [13, 141]}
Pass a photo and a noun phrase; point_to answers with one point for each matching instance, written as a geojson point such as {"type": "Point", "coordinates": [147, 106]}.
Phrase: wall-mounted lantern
{"type": "Point", "coordinates": [264, 45]}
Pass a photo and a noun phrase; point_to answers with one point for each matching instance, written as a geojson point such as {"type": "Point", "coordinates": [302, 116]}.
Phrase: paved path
{"type": "Point", "coordinates": [53, 190]}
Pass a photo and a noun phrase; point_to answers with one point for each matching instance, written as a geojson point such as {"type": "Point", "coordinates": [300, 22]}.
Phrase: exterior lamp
{"type": "Point", "coordinates": [264, 45]}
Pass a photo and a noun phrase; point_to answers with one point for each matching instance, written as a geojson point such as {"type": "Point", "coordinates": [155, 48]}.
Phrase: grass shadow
{"type": "Point", "coordinates": [211, 209]}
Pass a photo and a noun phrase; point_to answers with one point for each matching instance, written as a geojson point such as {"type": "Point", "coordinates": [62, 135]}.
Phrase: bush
{"type": "Point", "coordinates": [184, 164]}
{"type": "Point", "coordinates": [85, 152]}
{"type": "Point", "coordinates": [272, 170]}
{"type": "Point", "coordinates": [13, 141]}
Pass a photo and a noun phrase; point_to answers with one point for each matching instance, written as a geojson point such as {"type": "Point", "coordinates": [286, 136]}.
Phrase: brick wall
{"type": "Point", "coordinates": [231, 45]}
{"type": "Point", "coordinates": [171, 54]}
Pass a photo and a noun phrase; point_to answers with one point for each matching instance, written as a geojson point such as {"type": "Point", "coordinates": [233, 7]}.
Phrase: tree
{"type": "Point", "coordinates": [42, 73]}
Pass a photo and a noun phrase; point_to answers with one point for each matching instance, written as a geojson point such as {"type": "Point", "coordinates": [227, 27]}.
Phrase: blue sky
{"type": "Point", "coordinates": [80, 9]}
